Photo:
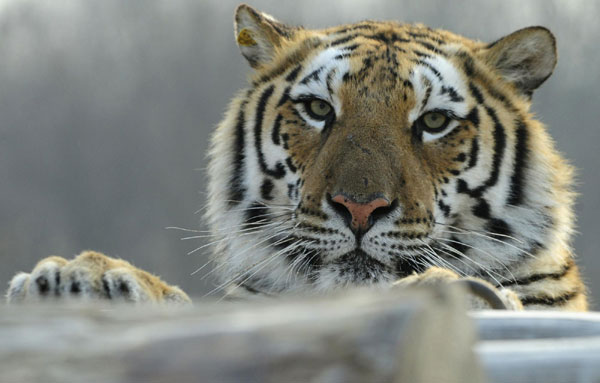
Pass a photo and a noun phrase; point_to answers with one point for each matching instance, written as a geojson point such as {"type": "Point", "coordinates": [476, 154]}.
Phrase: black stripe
{"type": "Point", "coordinates": [538, 277]}
{"type": "Point", "coordinates": [343, 40]}
{"type": "Point", "coordinates": [499, 146]}
{"type": "Point", "coordinates": [430, 47]}
{"type": "Point", "coordinates": [476, 93]}
{"type": "Point", "coordinates": [257, 214]}
{"type": "Point", "coordinates": [462, 157]}
{"type": "Point", "coordinates": [454, 96]}
{"type": "Point", "coordinates": [387, 38]}
{"type": "Point", "coordinates": [426, 98]}
{"type": "Point", "coordinates": [313, 76]}
{"type": "Point", "coordinates": [444, 208]}
{"type": "Point", "coordinates": [285, 137]}
{"type": "Point", "coordinates": [517, 179]}
{"type": "Point", "coordinates": [353, 28]}
{"type": "Point", "coordinates": [421, 54]}
{"type": "Point", "coordinates": [473, 116]}
{"type": "Point", "coordinates": [406, 266]}
{"type": "Point", "coordinates": [482, 209]}
{"type": "Point", "coordinates": [499, 229]}
{"type": "Point", "coordinates": [301, 121]}
{"type": "Point", "coordinates": [550, 301]}
{"type": "Point", "coordinates": [279, 28]}
{"type": "Point", "coordinates": [285, 96]}
{"type": "Point", "coordinates": [291, 190]}
{"type": "Point", "coordinates": [260, 111]}
{"type": "Point", "coordinates": [495, 93]}
{"type": "Point", "coordinates": [417, 35]}
{"type": "Point", "coordinates": [468, 63]}
{"type": "Point", "coordinates": [237, 190]}
{"type": "Point", "coordinates": [433, 70]}
{"type": "Point", "coordinates": [343, 56]}
{"type": "Point", "coordinates": [473, 153]}
{"type": "Point", "coordinates": [266, 189]}
{"type": "Point", "coordinates": [290, 164]}
{"type": "Point", "coordinates": [329, 80]}
{"type": "Point", "coordinates": [276, 128]}
{"type": "Point", "coordinates": [291, 77]}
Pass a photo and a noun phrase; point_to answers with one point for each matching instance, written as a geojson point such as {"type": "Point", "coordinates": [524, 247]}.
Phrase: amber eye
{"type": "Point", "coordinates": [434, 122]}
{"type": "Point", "coordinates": [318, 109]}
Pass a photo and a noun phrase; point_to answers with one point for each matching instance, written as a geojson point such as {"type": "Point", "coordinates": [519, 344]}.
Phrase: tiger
{"type": "Point", "coordinates": [372, 154]}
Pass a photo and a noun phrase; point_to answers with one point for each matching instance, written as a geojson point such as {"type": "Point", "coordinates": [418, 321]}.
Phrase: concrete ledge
{"type": "Point", "coordinates": [539, 346]}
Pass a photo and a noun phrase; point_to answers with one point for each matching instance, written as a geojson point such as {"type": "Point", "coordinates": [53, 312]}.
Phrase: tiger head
{"type": "Point", "coordinates": [364, 153]}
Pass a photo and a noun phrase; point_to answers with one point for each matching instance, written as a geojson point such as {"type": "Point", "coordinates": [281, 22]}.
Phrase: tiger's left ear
{"type": "Point", "coordinates": [525, 58]}
{"type": "Point", "coordinates": [258, 35]}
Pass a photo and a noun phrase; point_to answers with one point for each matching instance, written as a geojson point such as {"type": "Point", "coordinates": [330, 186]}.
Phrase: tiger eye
{"type": "Point", "coordinates": [320, 108]}
{"type": "Point", "coordinates": [434, 120]}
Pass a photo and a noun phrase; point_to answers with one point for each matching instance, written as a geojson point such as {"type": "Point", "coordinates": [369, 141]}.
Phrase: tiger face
{"type": "Point", "coordinates": [364, 153]}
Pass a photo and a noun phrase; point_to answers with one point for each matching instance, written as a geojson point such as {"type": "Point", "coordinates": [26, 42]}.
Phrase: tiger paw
{"type": "Point", "coordinates": [482, 294]}
{"type": "Point", "coordinates": [91, 276]}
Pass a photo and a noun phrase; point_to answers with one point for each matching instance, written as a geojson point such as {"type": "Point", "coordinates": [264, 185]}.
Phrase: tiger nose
{"type": "Point", "coordinates": [360, 214]}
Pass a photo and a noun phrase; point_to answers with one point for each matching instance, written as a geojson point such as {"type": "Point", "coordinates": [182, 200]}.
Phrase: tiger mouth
{"type": "Point", "coordinates": [359, 267]}
{"type": "Point", "coordinates": [354, 267]}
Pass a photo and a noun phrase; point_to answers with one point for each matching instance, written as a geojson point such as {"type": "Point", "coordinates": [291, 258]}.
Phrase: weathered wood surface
{"type": "Point", "coordinates": [360, 336]}
{"type": "Point", "coordinates": [363, 336]}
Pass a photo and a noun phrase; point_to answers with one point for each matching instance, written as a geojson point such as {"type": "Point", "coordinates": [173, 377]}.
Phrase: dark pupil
{"type": "Point", "coordinates": [321, 106]}
{"type": "Point", "coordinates": [434, 117]}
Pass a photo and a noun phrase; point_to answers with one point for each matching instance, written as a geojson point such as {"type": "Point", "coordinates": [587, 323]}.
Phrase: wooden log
{"type": "Point", "coordinates": [358, 336]}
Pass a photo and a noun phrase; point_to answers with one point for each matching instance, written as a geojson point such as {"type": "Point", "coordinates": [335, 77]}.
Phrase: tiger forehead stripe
{"type": "Point", "coordinates": [322, 76]}
{"type": "Point", "coordinates": [438, 85]}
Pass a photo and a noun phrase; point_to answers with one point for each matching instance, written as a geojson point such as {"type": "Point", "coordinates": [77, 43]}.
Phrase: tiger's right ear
{"type": "Point", "coordinates": [258, 35]}
{"type": "Point", "coordinates": [526, 58]}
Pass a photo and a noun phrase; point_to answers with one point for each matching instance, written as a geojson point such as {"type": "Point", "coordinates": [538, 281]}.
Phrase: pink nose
{"type": "Point", "coordinates": [360, 212]}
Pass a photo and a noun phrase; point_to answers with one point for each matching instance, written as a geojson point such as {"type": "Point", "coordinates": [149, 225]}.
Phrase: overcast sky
{"type": "Point", "coordinates": [106, 108]}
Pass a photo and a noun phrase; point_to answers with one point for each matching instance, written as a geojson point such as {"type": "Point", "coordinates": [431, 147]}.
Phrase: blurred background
{"type": "Point", "coordinates": [106, 108]}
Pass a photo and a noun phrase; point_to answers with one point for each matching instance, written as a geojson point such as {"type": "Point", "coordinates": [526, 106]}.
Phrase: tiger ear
{"type": "Point", "coordinates": [258, 35]}
{"type": "Point", "coordinates": [525, 58]}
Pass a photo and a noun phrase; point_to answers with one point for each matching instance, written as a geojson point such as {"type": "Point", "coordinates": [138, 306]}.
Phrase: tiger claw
{"type": "Point", "coordinates": [91, 276]}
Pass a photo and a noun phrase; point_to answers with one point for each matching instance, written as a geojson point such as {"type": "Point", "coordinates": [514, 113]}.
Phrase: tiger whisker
{"type": "Point", "coordinates": [262, 265]}
{"type": "Point", "coordinates": [222, 228]}
{"type": "Point", "coordinates": [234, 233]}
{"type": "Point", "coordinates": [299, 261]}
{"type": "Point", "coordinates": [224, 263]}
{"type": "Point", "coordinates": [470, 267]}
{"type": "Point", "coordinates": [464, 232]}
{"type": "Point", "coordinates": [227, 238]}
{"type": "Point", "coordinates": [238, 275]}
{"type": "Point", "coordinates": [481, 267]}
{"type": "Point", "coordinates": [219, 265]}
{"type": "Point", "coordinates": [482, 232]}
{"type": "Point", "coordinates": [440, 259]}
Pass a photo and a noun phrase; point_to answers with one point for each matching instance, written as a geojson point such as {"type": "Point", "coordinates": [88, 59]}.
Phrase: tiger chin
{"type": "Point", "coordinates": [374, 153]}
